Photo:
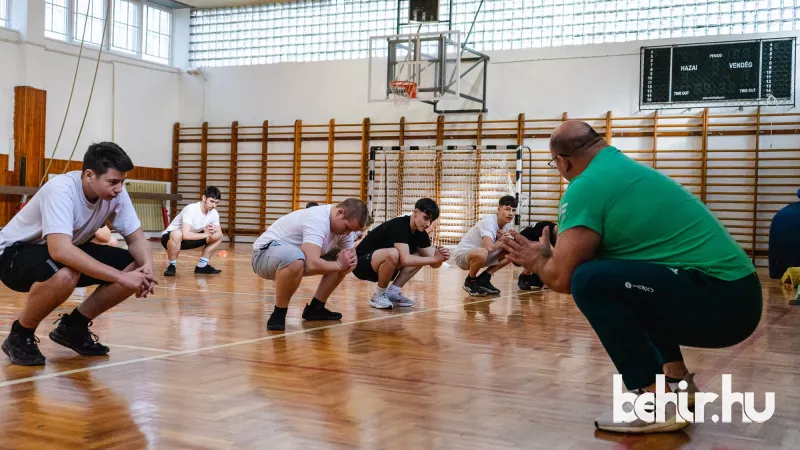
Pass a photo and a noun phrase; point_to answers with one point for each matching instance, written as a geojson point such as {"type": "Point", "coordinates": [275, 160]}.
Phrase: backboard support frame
{"type": "Point", "coordinates": [478, 61]}
{"type": "Point", "coordinates": [401, 24]}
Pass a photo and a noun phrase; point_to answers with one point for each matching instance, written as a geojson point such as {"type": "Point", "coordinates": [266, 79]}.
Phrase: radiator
{"type": "Point", "coordinates": [149, 211]}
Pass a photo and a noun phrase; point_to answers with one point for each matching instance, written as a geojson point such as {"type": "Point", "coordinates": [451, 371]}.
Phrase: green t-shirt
{"type": "Point", "coordinates": [644, 215]}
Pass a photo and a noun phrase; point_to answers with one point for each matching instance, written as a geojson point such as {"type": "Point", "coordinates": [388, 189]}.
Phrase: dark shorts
{"type": "Point", "coordinates": [535, 232]}
{"type": "Point", "coordinates": [364, 270]}
{"type": "Point", "coordinates": [23, 264]}
{"type": "Point", "coordinates": [186, 244]}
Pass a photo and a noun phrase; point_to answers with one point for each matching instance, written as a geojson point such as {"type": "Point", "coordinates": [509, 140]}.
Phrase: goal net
{"type": "Point", "coordinates": [465, 181]}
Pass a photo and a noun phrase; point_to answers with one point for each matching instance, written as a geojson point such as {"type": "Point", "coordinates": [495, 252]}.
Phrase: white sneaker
{"type": "Point", "coordinates": [380, 301]}
{"type": "Point", "coordinates": [398, 299]}
{"type": "Point", "coordinates": [671, 423]}
{"type": "Point", "coordinates": [691, 388]}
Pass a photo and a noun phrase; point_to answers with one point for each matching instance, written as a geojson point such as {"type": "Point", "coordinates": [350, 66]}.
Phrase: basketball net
{"type": "Point", "coordinates": [403, 91]}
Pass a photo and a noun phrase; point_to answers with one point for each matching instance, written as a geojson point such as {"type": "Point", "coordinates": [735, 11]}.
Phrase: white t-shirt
{"type": "Point", "coordinates": [312, 225]}
{"type": "Point", "coordinates": [474, 237]}
{"type": "Point", "coordinates": [60, 207]}
{"type": "Point", "coordinates": [193, 216]}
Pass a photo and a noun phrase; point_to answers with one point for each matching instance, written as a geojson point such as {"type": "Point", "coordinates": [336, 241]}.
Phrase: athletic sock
{"type": "Point", "coordinates": [202, 263]}
{"type": "Point", "coordinates": [316, 304]}
{"type": "Point", "coordinates": [279, 312]}
{"type": "Point", "coordinates": [78, 320]}
{"type": "Point", "coordinates": [19, 329]}
{"type": "Point", "coordinates": [393, 288]}
{"type": "Point", "coordinates": [173, 263]}
{"type": "Point", "coordinates": [381, 291]}
{"type": "Point", "coordinates": [278, 316]}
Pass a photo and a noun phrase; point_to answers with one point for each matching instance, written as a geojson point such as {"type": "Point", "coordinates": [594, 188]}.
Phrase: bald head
{"type": "Point", "coordinates": [574, 137]}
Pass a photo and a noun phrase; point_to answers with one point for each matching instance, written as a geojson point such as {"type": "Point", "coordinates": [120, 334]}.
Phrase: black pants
{"type": "Point", "coordinates": [364, 270]}
{"type": "Point", "coordinates": [644, 312]}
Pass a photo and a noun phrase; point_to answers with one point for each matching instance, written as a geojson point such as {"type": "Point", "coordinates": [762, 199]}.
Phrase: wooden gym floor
{"type": "Point", "coordinates": [194, 367]}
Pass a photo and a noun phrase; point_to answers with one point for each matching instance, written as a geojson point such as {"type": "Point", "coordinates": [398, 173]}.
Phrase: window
{"type": "Point", "coordinates": [4, 13]}
{"type": "Point", "coordinates": [83, 20]}
{"type": "Point", "coordinates": [340, 29]}
{"type": "Point", "coordinates": [56, 15]}
{"type": "Point", "coordinates": [283, 32]}
{"type": "Point", "coordinates": [127, 23]}
{"type": "Point", "coordinates": [89, 16]}
{"type": "Point", "coordinates": [158, 29]}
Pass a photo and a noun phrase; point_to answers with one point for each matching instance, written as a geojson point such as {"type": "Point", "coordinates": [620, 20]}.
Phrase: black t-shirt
{"type": "Point", "coordinates": [395, 231]}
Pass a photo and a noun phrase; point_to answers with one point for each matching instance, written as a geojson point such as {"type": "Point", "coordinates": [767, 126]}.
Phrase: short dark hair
{"type": "Point", "coordinates": [213, 192]}
{"type": "Point", "coordinates": [355, 209]}
{"type": "Point", "coordinates": [311, 204]}
{"type": "Point", "coordinates": [106, 155]}
{"type": "Point", "coordinates": [508, 200]}
{"type": "Point", "coordinates": [429, 207]}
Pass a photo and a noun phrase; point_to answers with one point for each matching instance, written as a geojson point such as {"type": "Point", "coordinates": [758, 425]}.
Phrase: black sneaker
{"type": "Point", "coordinates": [276, 323]}
{"type": "Point", "coordinates": [207, 269]}
{"type": "Point", "coordinates": [170, 272]}
{"type": "Point", "coordinates": [484, 280]}
{"type": "Point", "coordinates": [311, 313]}
{"type": "Point", "coordinates": [79, 339]}
{"type": "Point", "coordinates": [474, 288]}
{"type": "Point", "coordinates": [530, 282]}
{"type": "Point", "coordinates": [23, 350]}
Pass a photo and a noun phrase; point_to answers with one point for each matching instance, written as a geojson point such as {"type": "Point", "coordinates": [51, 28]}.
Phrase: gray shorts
{"type": "Point", "coordinates": [266, 262]}
{"type": "Point", "coordinates": [463, 263]}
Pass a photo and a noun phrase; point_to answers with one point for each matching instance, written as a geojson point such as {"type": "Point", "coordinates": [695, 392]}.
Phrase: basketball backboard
{"type": "Point", "coordinates": [430, 60]}
{"type": "Point", "coordinates": [429, 68]}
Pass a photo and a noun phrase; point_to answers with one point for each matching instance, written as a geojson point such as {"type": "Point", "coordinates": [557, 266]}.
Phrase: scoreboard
{"type": "Point", "coordinates": [737, 73]}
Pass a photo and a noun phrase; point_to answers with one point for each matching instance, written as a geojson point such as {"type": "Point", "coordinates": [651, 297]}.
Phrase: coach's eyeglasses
{"type": "Point", "coordinates": [553, 166]}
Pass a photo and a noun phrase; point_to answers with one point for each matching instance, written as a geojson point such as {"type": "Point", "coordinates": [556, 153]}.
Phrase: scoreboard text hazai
{"type": "Point", "coordinates": [719, 73]}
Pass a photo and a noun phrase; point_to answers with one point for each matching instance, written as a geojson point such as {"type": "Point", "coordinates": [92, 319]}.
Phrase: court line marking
{"type": "Point", "coordinates": [150, 349]}
{"type": "Point", "coordinates": [149, 301]}
{"type": "Point", "coordinates": [252, 341]}
{"type": "Point", "coordinates": [136, 347]}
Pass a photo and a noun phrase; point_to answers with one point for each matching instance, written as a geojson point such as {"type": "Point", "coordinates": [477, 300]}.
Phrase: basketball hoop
{"type": "Point", "coordinates": [403, 91]}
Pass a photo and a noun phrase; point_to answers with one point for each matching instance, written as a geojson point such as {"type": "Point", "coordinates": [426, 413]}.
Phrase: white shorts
{"type": "Point", "coordinates": [461, 259]}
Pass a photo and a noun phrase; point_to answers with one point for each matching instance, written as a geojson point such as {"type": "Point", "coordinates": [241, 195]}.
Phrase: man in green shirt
{"type": "Point", "coordinates": [647, 263]}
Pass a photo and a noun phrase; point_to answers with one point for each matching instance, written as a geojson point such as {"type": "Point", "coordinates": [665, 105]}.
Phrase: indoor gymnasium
{"type": "Point", "coordinates": [399, 224]}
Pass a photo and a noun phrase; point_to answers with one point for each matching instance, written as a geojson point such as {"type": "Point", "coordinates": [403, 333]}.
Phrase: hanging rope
{"type": "Point", "coordinates": [94, 80]}
{"type": "Point", "coordinates": [74, 80]}
{"type": "Point", "coordinates": [71, 91]}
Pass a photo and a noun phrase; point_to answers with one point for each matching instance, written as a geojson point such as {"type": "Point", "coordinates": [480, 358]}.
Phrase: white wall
{"type": "Point", "coordinates": [8, 79]}
{"type": "Point", "coordinates": [135, 103]}
{"type": "Point", "coordinates": [586, 81]}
